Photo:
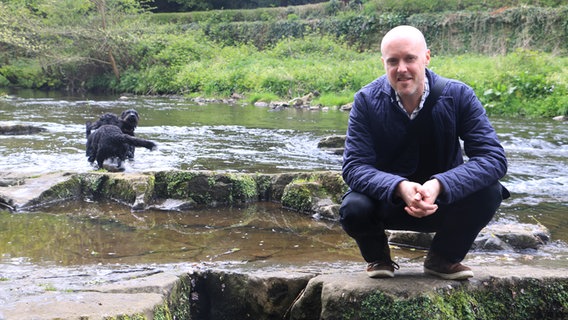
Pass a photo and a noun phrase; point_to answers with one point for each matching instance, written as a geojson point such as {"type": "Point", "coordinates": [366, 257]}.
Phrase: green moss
{"type": "Point", "coordinates": [303, 190]}
{"type": "Point", "coordinates": [120, 189]}
{"type": "Point", "coordinates": [525, 299]}
{"type": "Point", "coordinates": [263, 186]}
{"type": "Point", "coordinates": [243, 188]}
{"type": "Point", "coordinates": [127, 317]}
{"type": "Point", "coordinates": [177, 184]}
{"type": "Point", "coordinates": [66, 190]}
{"type": "Point", "coordinates": [162, 312]}
{"type": "Point", "coordinates": [180, 301]}
{"type": "Point", "coordinates": [298, 195]}
{"type": "Point", "coordinates": [48, 287]}
{"type": "Point", "coordinates": [211, 181]}
{"type": "Point", "coordinates": [173, 184]}
{"type": "Point", "coordinates": [93, 184]}
{"type": "Point", "coordinates": [333, 184]}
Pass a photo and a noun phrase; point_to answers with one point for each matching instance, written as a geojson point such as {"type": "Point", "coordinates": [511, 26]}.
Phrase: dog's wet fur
{"type": "Point", "coordinates": [127, 122]}
{"type": "Point", "coordinates": [109, 142]}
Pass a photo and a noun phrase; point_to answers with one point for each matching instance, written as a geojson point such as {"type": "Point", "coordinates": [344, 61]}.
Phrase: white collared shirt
{"type": "Point", "coordinates": [422, 100]}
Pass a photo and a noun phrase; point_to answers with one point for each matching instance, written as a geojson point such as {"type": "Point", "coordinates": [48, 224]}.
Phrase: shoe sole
{"type": "Point", "coordinates": [380, 274]}
{"type": "Point", "coordinates": [462, 275]}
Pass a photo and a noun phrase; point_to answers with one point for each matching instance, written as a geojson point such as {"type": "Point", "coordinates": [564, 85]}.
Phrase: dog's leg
{"type": "Point", "coordinates": [118, 163]}
{"type": "Point", "coordinates": [100, 161]}
{"type": "Point", "coordinates": [130, 154]}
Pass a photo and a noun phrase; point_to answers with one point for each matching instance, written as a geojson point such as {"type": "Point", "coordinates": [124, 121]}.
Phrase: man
{"type": "Point", "coordinates": [404, 166]}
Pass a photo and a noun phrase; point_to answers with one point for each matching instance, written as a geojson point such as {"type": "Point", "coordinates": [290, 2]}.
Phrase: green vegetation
{"type": "Point", "coordinates": [522, 83]}
{"type": "Point", "coordinates": [525, 299]}
{"type": "Point", "coordinates": [173, 184]}
{"type": "Point", "coordinates": [48, 287]}
{"type": "Point", "coordinates": [299, 195]}
{"type": "Point", "coordinates": [510, 53]}
{"type": "Point", "coordinates": [128, 317]}
{"type": "Point", "coordinates": [243, 188]}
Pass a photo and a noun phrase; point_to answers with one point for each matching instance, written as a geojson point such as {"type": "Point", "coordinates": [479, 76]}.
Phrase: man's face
{"type": "Point", "coordinates": [405, 60]}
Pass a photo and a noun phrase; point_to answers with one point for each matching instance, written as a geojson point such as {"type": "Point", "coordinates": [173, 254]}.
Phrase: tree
{"type": "Point", "coordinates": [101, 8]}
{"type": "Point", "coordinates": [73, 38]}
{"type": "Point", "coordinates": [202, 5]}
{"type": "Point", "coordinates": [18, 31]}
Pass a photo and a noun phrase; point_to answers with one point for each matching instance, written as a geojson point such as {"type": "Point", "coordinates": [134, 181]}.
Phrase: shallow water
{"type": "Point", "coordinates": [189, 136]}
{"type": "Point", "coordinates": [228, 138]}
{"type": "Point", "coordinates": [90, 233]}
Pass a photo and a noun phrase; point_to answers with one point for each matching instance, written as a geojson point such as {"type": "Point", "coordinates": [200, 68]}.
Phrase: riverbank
{"type": "Point", "coordinates": [510, 56]}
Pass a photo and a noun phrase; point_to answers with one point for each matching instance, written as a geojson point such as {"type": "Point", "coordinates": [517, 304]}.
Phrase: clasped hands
{"type": "Point", "coordinates": [419, 198]}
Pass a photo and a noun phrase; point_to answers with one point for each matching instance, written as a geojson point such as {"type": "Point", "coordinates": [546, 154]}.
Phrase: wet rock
{"type": "Point", "coordinates": [346, 107]}
{"type": "Point", "coordinates": [204, 291]}
{"type": "Point", "coordinates": [335, 141]}
{"type": "Point", "coordinates": [86, 292]}
{"type": "Point", "coordinates": [519, 236]}
{"type": "Point", "coordinates": [419, 240]}
{"type": "Point", "coordinates": [205, 187]}
{"type": "Point", "coordinates": [31, 192]}
{"type": "Point", "coordinates": [491, 243]}
{"type": "Point", "coordinates": [327, 209]}
{"type": "Point", "coordinates": [217, 294]}
{"type": "Point", "coordinates": [278, 183]}
{"type": "Point", "coordinates": [236, 96]}
{"type": "Point", "coordinates": [312, 193]}
{"type": "Point", "coordinates": [134, 190]}
{"type": "Point", "coordinates": [261, 104]}
{"type": "Point", "coordinates": [300, 196]}
{"type": "Point", "coordinates": [495, 237]}
{"type": "Point", "coordinates": [20, 129]}
{"type": "Point", "coordinates": [412, 295]}
{"type": "Point", "coordinates": [304, 101]}
{"type": "Point", "coordinates": [334, 144]}
{"type": "Point", "coordinates": [278, 105]}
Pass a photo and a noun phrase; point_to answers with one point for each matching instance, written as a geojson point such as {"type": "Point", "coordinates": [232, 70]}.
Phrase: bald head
{"type": "Point", "coordinates": [404, 32]}
{"type": "Point", "coordinates": [405, 57]}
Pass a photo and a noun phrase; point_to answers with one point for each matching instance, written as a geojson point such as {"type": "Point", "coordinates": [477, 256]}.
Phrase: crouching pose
{"type": "Point", "coordinates": [404, 166]}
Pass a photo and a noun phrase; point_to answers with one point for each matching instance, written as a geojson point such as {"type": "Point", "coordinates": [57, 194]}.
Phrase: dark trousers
{"type": "Point", "coordinates": [456, 225]}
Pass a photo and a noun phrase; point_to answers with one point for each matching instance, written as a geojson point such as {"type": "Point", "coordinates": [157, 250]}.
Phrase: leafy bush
{"type": "Point", "coordinates": [26, 73]}
{"type": "Point", "coordinates": [3, 81]}
{"type": "Point", "coordinates": [288, 52]}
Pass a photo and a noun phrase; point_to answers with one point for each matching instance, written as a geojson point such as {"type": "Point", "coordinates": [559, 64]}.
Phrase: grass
{"type": "Point", "coordinates": [523, 83]}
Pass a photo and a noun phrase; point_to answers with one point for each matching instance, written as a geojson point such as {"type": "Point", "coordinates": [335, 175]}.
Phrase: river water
{"type": "Point", "coordinates": [235, 138]}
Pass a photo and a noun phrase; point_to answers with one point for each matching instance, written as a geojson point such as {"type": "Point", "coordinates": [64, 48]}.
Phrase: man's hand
{"type": "Point", "coordinates": [419, 198]}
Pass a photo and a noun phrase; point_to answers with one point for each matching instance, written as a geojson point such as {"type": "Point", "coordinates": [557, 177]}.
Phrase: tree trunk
{"type": "Point", "coordinates": [101, 7]}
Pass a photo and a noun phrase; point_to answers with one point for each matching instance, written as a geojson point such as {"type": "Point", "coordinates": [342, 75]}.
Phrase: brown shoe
{"type": "Point", "coordinates": [440, 267]}
{"type": "Point", "coordinates": [382, 269]}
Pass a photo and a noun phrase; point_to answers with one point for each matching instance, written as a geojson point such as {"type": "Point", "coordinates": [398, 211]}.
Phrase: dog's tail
{"type": "Point", "coordinates": [137, 142]}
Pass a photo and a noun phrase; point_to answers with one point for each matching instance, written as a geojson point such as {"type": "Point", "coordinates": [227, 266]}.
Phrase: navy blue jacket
{"type": "Point", "coordinates": [377, 125]}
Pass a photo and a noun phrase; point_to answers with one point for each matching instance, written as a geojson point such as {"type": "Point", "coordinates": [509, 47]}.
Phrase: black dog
{"type": "Point", "coordinates": [127, 122]}
{"type": "Point", "coordinates": [108, 142]}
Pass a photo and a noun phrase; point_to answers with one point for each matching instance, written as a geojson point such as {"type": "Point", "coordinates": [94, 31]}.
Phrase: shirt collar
{"type": "Point", "coordinates": [422, 100]}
